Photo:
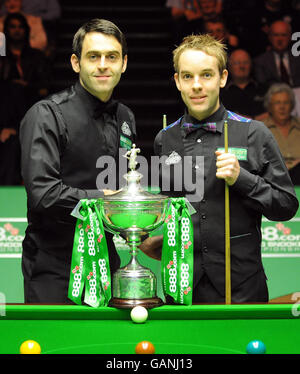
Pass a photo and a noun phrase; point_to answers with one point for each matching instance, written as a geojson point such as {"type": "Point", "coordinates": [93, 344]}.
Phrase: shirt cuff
{"type": "Point", "coordinates": [245, 182]}
{"type": "Point", "coordinates": [94, 194]}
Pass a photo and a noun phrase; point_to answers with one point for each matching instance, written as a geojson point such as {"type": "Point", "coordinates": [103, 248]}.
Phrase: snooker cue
{"type": "Point", "coordinates": [227, 230]}
{"type": "Point", "coordinates": [164, 121]}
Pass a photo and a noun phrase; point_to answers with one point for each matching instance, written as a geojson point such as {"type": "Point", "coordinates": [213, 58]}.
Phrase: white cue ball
{"type": "Point", "coordinates": [139, 314]}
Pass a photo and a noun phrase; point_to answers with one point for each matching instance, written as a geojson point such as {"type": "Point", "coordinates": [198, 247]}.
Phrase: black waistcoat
{"type": "Point", "coordinates": [85, 141]}
{"type": "Point", "coordinates": [80, 146]}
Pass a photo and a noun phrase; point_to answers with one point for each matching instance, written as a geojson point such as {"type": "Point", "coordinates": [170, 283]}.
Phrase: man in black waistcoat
{"type": "Point", "coordinates": [253, 168]}
{"type": "Point", "coordinates": [62, 138]}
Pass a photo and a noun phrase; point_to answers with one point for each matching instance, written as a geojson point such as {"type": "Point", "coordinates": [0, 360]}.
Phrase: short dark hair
{"type": "Point", "coordinates": [98, 25]}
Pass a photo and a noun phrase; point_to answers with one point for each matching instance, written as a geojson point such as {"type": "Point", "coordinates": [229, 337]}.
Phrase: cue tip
{"type": "Point", "coordinates": [164, 120]}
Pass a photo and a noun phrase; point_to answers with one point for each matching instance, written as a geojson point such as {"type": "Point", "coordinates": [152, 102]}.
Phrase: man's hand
{"type": "Point", "coordinates": [22, 82]}
{"type": "Point", "coordinates": [292, 163]}
{"type": "Point", "coordinates": [6, 134]}
{"type": "Point", "coordinates": [152, 246]}
{"type": "Point", "coordinates": [110, 192]}
{"type": "Point", "coordinates": [228, 167]}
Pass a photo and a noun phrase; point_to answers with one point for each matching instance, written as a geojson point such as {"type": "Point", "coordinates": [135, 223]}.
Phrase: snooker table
{"type": "Point", "coordinates": [196, 329]}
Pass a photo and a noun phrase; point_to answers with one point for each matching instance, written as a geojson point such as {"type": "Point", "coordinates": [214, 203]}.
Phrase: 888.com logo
{"type": "Point", "coordinates": [280, 239]}
{"type": "Point", "coordinates": [277, 232]}
{"type": "Point", "coordinates": [11, 237]}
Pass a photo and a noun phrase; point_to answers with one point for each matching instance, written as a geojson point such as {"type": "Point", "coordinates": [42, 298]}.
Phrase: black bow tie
{"type": "Point", "coordinates": [109, 107]}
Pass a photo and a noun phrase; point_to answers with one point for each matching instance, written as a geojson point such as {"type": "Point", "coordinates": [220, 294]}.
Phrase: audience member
{"type": "Point", "coordinates": [12, 109]}
{"type": "Point", "coordinates": [38, 37]}
{"type": "Point", "coordinates": [278, 64]}
{"type": "Point", "coordinates": [269, 11]}
{"type": "Point", "coordinates": [24, 66]}
{"type": "Point", "coordinates": [198, 12]}
{"type": "Point", "coordinates": [242, 94]}
{"type": "Point", "coordinates": [295, 15]}
{"type": "Point", "coordinates": [188, 16]}
{"type": "Point", "coordinates": [217, 28]}
{"type": "Point", "coordinates": [279, 103]}
{"type": "Point", "coordinates": [50, 12]}
{"type": "Point", "coordinates": [178, 19]}
{"type": "Point", "coordinates": [235, 14]}
{"type": "Point", "coordinates": [253, 21]}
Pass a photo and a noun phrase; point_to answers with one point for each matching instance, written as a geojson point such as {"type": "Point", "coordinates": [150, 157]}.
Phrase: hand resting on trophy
{"type": "Point", "coordinates": [110, 192]}
{"type": "Point", "coordinates": [152, 246]}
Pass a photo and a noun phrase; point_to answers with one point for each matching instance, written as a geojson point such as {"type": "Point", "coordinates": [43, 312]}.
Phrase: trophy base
{"type": "Point", "coordinates": [131, 303]}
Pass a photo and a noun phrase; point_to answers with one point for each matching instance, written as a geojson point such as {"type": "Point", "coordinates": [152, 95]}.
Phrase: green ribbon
{"type": "Point", "coordinates": [90, 272]}
{"type": "Point", "coordinates": [177, 253]}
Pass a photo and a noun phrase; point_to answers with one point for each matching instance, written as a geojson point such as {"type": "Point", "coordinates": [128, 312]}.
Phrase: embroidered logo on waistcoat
{"type": "Point", "coordinates": [125, 128]}
{"type": "Point", "coordinates": [173, 158]}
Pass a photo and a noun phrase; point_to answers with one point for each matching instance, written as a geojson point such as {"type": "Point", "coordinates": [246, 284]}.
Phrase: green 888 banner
{"type": "Point", "coordinates": [281, 239]}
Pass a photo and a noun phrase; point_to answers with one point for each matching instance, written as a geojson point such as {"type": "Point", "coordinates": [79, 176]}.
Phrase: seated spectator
{"type": "Point", "coordinates": [253, 24]}
{"type": "Point", "coordinates": [50, 12]}
{"type": "Point", "coordinates": [178, 19]}
{"type": "Point", "coordinates": [188, 16]}
{"type": "Point", "coordinates": [12, 109]}
{"type": "Point", "coordinates": [24, 66]}
{"type": "Point", "coordinates": [278, 64]}
{"type": "Point", "coordinates": [38, 37]}
{"type": "Point", "coordinates": [269, 11]}
{"type": "Point", "coordinates": [242, 94]}
{"type": "Point", "coordinates": [217, 28]}
{"type": "Point", "coordinates": [198, 12]}
{"type": "Point", "coordinates": [279, 103]}
{"type": "Point", "coordinates": [235, 14]}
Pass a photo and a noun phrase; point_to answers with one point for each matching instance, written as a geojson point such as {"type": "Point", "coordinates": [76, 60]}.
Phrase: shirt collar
{"type": "Point", "coordinates": [94, 105]}
{"type": "Point", "coordinates": [216, 117]}
{"type": "Point", "coordinates": [284, 54]}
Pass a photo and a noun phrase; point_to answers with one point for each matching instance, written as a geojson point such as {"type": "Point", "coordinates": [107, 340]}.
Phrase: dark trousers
{"type": "Point", "coordinates": [46, 276]}
{"type": "Point", "coordinates": [46, 279]}
{"type": "Point", "coordinates": [253, 290]}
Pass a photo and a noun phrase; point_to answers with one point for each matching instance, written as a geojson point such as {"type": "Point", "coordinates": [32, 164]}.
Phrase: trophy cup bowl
{"type": "Point", "coordinates": [132, 213]}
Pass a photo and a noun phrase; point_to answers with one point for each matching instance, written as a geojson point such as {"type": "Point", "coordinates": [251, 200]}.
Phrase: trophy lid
{"type": "Point", "coordinates": [133, 191]}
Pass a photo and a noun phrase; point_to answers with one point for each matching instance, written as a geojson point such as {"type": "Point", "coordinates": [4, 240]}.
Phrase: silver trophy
{"type": "Point", "coordinates": [132, 213]}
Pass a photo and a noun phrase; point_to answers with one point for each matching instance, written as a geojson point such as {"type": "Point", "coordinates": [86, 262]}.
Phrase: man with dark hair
{"type": "Point", "coordinates": [104, 26]}
{"type": "Point", "coordinates": [278, 64]}
{"type": "Point", "coordinates": [62, 138]}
